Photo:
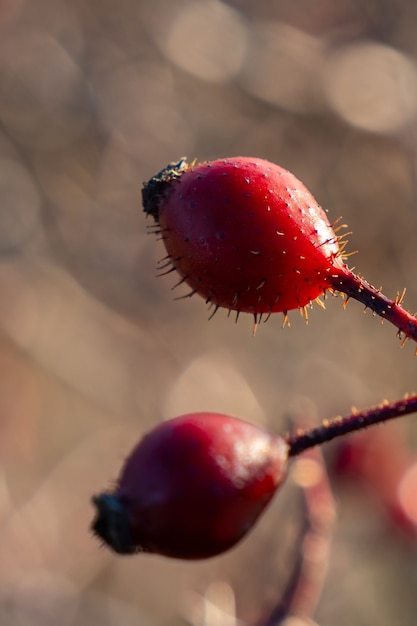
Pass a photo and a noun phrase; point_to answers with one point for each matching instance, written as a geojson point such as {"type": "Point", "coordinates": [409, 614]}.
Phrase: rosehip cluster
{"type": "Point", "coordinates": [246, 235]}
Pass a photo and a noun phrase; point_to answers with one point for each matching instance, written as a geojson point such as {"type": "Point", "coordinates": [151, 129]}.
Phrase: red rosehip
{"type": "Point", "coordinates": [192, 487]}
{"type": "Point", "coordinates": [247, 235]}
{"type": "Point", "coordinates": [243, 233]}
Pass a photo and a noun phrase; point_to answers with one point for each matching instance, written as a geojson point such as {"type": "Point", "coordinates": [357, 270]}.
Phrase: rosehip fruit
{"type": "Point", "coordinates": [243, 233]}
{"type": "Point", "coordinates": [247, 235]}
{"type": "Point", "coordinates": [192, 487]}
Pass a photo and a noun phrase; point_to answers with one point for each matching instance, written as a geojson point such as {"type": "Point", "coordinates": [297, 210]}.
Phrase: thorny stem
{"type": "Point", "coordinates": [354, 286]}
{"type": "Point", "coordinates": [338, 426]}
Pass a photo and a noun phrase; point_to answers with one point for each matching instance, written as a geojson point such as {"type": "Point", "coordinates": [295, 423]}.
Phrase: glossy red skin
{"type": "Point", "coordinates": [247, 235]}
{"type": "Point", "coordinates": [195, 485]}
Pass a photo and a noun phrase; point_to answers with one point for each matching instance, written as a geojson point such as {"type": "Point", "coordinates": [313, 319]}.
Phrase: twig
{"type": "Point", "coordinates": [302, 594]}
{"type": "Point", "coordinates": [358, 420]}
{"type": "Point", "coordinates": [354, 286]}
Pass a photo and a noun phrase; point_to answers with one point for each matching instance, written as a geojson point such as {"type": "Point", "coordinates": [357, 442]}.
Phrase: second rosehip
{"type": "Point", "coordinates": [192, 487]}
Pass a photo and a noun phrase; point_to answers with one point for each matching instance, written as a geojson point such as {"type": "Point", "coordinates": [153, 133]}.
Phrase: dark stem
{"type": "Point", "coordinates": [338, 426]}
{"type": "Point", "coordinates": [356, 287]}
{"type": "Point", "coordinates": [301, 596]}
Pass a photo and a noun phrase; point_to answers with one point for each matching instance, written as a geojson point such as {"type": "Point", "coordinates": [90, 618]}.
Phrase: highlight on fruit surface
{"type": "Point", "coordinates": [247, 235]}
{"type": "Point", "coordinates": [192, 488]}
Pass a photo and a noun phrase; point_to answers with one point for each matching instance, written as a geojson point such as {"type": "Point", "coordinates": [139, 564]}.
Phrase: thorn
{"type": "Point", "coordinates": [255, 324]}
{"type": "Point", "coordinates": [340, 227]}
{"type": "Point", "coordinates": [180, 282]}
{"type": "Point", "coordinates": [336, 221]}
{"type": "Point", "coordinates": [320, 302]}
{"type": "Point", "coordinates": [286, 321]}
{"type": "Point", "coordinates": [155, 229]}
{"type": "Point", "coordinates": [168, 256]}
{"type": "Point", "coordinates": [171, 269]}
{"type": "Point", "coordinates": [340, 237]}
{"type": "Point", "coordinates": [404, 341]}
{"type": "Point", "coordinates": [400, 297]}
{"type": "Point", "coordinates": [346, 255]}
{"type": "Point", "coordinates": [237, 316]}
{"type": "Point", "coordinates": [187, 295]}
{"type": "Point", "coordinates": [166, 264]}
{"type": "Point", "coordinates": [216, 308]}
{"type": "Point", "coordinates": [268, 316]}
{"type": "Point", "coordinates": [345, 302]}
{"type": "Point", "coordinates": [304, 313]}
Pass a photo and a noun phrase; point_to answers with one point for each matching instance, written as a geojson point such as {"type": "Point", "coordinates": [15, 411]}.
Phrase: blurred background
{"type": "Point", "coordinates": [96, 96]}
